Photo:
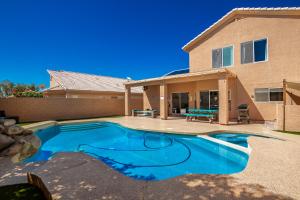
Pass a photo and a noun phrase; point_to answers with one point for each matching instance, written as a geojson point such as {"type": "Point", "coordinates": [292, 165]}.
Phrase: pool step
{"type": "Point", "coordinates": [80, 127]}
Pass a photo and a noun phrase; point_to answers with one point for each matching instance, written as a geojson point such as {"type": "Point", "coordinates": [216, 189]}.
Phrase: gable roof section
{"type": "Point", "coordinates": [240, 12]}
{"type": "Point", "coordinates": [88, 82]}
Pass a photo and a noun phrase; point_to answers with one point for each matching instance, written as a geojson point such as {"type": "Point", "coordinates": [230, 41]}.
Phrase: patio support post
{"type": "Point", "coordinates": [163, 88]}
{"type": "Point", "coordinates": [127, 101]}
{"type": "Point", "coordinates": [223, 101]}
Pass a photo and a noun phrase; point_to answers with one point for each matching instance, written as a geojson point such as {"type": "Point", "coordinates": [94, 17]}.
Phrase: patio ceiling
{"type": "Point", "coordinates": [188, 77]}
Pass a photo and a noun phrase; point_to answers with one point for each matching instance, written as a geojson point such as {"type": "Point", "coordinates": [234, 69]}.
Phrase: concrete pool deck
{"type": "Point", "coordinates": [272, 172]}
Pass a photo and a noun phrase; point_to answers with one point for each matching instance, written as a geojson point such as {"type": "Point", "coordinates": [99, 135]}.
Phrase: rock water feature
{"type": "Point", "coordinates": [16, 142]}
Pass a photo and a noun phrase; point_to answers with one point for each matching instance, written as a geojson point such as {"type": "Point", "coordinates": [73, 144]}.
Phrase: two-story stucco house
{"type": "Point", "coordinates": [241, 59]}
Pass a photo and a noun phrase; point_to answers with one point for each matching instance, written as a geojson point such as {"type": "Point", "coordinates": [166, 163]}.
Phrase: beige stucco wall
{"type": "Point", "coordinates": [40, 109]}
{"type": "Point", "coordinates": [89, 94]}
{"type": "Point", "coordinates": [283, 36]}
{"type": "Point", "coordinates": [292, 117]}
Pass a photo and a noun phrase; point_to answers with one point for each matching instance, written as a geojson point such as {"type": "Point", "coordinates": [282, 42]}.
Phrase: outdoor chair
{"type": "Point", "coordinates": [243, 113]}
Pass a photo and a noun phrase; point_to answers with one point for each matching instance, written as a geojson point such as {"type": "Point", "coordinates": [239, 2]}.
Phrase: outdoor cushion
{"type": "Point", "coordinates": [198, 115]}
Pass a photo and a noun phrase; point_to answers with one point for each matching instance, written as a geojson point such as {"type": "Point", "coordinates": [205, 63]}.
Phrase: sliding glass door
{"type": "Point", "coordinates": [180, 102]}
{"type": "Point", "coordinates": [209, 99]}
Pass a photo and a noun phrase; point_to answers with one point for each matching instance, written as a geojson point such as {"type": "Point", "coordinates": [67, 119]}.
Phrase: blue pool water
{"type": "Point", "coordinates": [239, 139]}
{"type": "Point", "coordinates": [141, 154]}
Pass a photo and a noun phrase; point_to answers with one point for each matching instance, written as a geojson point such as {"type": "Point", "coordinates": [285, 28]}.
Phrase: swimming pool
{"type": "Point", "coordinates": [140, 154]}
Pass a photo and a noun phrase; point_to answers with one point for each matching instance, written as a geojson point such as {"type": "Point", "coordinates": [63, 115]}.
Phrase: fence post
{"type": "Point", "coordinates": [284, 103]}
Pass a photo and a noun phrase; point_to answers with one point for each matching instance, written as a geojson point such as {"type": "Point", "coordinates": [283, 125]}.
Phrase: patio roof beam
{"type": "Point", "coordinates": [197, 76]}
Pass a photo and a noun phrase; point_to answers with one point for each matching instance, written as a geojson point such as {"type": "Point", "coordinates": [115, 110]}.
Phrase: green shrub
{"type": "Point", "coordinates": [29, 94]}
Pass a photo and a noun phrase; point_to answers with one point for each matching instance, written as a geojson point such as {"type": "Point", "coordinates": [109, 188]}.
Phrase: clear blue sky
{"type": "Point", "coordinates": [119, 38]}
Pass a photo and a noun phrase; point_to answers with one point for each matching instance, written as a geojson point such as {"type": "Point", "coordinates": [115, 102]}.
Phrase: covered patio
{"type": "Point", "coordinates": [169, 94]}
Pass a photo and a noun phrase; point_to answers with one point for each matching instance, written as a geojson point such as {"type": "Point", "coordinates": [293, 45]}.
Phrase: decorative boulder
{"type": "Point", "coordinates": [5, 141]}
{"type": "Point", "coordinates": [27, 150]}
{"type": "Point", "coordinates": [15, 130]}
{"type": "Point", "coordinates": [12, 150]}
{"type": "Point", "coordinates": [27, 132]}
{"type": "Point", "coordinates": [9, 122]}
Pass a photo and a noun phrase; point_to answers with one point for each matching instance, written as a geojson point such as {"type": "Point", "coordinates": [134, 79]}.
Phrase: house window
{"type": "Point", "coordinates": [222, 57]}
{"type": "Point", "coordinates": [268, 94]}
{"type": "Point", "coordinates": [227, 56]}
{"type": "Point", "coordinates": [276, 94]}
{"type": "Point", "coordinates": [217, 58]}
{"type": "Point", "coordinates": [254, 51]}
{"type": "Point", "coordinates": [262, 94]}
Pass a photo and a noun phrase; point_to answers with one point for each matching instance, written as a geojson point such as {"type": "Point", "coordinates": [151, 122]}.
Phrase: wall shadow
{"type": "Point", "coordinates": [242, 97]}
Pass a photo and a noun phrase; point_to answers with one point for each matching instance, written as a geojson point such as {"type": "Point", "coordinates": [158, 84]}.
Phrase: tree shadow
{"type": "Point", "coordinates": [212, 187]}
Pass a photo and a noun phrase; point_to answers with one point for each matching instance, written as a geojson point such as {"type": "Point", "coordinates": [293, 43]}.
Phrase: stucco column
{"type": "Point", "coordinates": [163, 101]}
{"type": "Point", "coordinates": [127, 100]}
{"type": "Point", "coordinates": [223, 101]}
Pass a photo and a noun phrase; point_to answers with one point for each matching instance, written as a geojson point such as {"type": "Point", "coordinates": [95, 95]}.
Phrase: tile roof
{"type": "Point", "coordinates": [88, 82]}
{"type": "Point", "coordinates": [241, 11]}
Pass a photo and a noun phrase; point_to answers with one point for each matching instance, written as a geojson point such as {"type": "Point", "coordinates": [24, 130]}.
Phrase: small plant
{"type": "Point", "coordinates": [34, 94]}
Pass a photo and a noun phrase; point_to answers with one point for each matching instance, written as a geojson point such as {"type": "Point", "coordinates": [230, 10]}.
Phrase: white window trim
{"type": "Point", "coordinates": [222, 64]}
{"type": "Point", "coordinates": [253, 51]}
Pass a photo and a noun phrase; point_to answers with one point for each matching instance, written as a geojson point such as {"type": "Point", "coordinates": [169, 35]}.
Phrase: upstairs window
{"type": "Point", "coordinates": [217, 58]}
{"type": "Point", "coordinates": [222, 57]}
{"type": "Point", "coordinates": [268, 94]}
{"type": "Point", "coordinates": [254, 51]}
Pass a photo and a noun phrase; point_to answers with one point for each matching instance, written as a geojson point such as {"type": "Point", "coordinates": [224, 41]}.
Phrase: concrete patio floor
{"type": "Point", "coordinates": [272, 171]}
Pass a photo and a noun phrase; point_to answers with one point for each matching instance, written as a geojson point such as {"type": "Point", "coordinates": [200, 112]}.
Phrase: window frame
{"type": "Point", "coordinates": [253, 51]}
{"type": "Point", "coordinates": [222, 64]}
{"type": "Point", "coordinates": [269, 96]}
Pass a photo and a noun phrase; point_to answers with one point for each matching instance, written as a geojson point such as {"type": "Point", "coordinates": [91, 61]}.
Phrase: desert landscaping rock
{"type": "Point", "coordinates": [9, 122]}
{"type": "Point", "coordinates": [26, 151]}
{"type": "Point", "coordinates": [26, 144]}
{"type": "Point", "coordinates": [12, 150]}
{"type": "Point", "coordinates": [15, 130]}
{"type": "Point", "coordinates": [27, 132]}
{"type": "Point", "coordinates": [5, 141]}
